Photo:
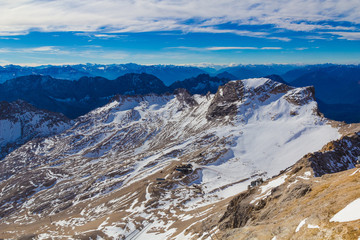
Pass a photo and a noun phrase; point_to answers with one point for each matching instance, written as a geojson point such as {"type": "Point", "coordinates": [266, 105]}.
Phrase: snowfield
{"type": "Point", "coordinates": [101, 174]}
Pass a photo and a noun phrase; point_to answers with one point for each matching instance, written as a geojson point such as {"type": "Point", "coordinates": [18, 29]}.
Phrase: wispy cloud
{"type": "Point", "coordinates": [113, 16]}
{"type": "Point", "coordinates": [42, 49]}
{"type": "Point", "coordinates": [99, 35]}
{"type": "Point", "coordinates": [284, 39]}
{"type": "Point", "coordinates": [312, 37]}
{"type": "Point", "coordinates": [107, 36]}
{"type": "Point", "coordinates": [354, 36]}
{"type": "Point", "coordinates": [230, 48]}
{"type": "Point", "coordinates": [9, 38]}
{"type": "Point", "coordinates": [271, 48]}
{"type": "Point", "coordinates": [47, 54]}
{"type": "Point", "coordinates": [217, 48]}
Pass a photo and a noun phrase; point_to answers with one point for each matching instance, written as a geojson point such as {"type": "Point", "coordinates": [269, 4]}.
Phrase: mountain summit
{"type": "Point", "coordinates": [156, 166]}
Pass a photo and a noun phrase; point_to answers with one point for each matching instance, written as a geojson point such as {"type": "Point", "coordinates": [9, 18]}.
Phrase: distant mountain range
{"type": "Point", "coordinates": [337, 87]}
{"type": "Point", "coordinates": [167, 73]}
{"type": "Point", "coordinates": [333, 84]}
{"type": "Point", "coordinates": [254, 71]}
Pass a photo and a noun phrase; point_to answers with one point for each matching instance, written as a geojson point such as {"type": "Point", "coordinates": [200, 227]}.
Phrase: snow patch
{"type": "Point", "coordinates": [274, 183]}
{"type": "Point", "coordinates": [306, 175]}
{"type": "Point", "coordinates": [113, 231]}
{"type": "Point", "coordinates": [357, 170]}
{"type": "Point", "coordinates": [350, 213]}
{"type": "Point", "coordinates": [254, 82]}
{"type": "Point", "coordinates": [313, 226]}
{"type": "Point", "coordinates": [302, 223]}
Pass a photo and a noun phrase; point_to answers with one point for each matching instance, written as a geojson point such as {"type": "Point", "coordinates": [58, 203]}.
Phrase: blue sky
{"type": "Point", "coordinates": [35, 32]}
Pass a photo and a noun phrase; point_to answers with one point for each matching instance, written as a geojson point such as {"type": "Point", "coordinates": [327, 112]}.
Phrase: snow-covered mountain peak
{"type": "Point", "coordinates": [119, 166]}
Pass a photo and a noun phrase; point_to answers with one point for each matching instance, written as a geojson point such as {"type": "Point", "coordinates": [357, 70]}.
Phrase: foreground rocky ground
{"type": "Point", "coordinates": [298, 205]}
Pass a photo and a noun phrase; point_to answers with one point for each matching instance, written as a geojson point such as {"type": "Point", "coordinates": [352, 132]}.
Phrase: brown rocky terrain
{"type": "Point", "coordinates": [312, 191]}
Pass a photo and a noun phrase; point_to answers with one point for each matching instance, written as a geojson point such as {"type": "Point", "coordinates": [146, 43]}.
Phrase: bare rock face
{"type": "Point", "coordinates": [224, 102]}
{"type": "Point", "coordinates": [240, 211]}
{"type": "Point", "coordinates": [302, 96]}
{"type": "Point", "coordinates": [185, 97]}
{"type": "Point", "coordinates": [336, 156]}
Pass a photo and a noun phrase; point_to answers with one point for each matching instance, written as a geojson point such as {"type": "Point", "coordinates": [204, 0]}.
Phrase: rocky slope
{"type": "Point", "coordinates": [21, 122]}
{"type": "Point", "coordinates": [116, 174]}
{"type": "Point", "coordinates": [305, 201]}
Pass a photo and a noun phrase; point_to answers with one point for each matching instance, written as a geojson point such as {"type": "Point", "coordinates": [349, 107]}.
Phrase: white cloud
{"type": "Point", "coordinates": [106, 36]}
{"type": "Point", "coordinates": [99, 35]}
{"type": "Point", "coordinates": [9, 38]}
{"type": "Point", "coordinates": [224, 48]}
{"type": "Point", "coordinates": [215, 30]}
{"type": "Point", "coordinates": [284, 39]}
{"type": "Point", "coordinates": [42, 49]}
{"type": "Point", "coordinates": [114, 16]}
{"type": "Point", "coordinates": [242, 48]}
{"type": "Point", "coordinates": [314, 37]}
{"type": "Point", "coordinates": [271, 48]}
{"type": "Point", "coordinates": [231, 48]}
{"type": "Point", "coordinates": [347, 35]}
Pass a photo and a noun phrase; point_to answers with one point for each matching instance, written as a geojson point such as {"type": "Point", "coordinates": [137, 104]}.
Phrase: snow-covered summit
{"type": "Point", "coordinates": [103, 171]}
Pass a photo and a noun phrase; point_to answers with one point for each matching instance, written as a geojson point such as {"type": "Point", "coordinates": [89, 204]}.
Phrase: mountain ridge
{"type": "Point", "coordinates": [336, 86]}
{"type": "Point", "coordinates": [75, 98]}
{"type": "Point", "coordinates": [100, 176]}
{"type": "Point", "coordinates": [167, 73]}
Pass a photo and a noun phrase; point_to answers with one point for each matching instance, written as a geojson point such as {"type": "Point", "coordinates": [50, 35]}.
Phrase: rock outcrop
{"type": "Point", "coordinates": [310, 191]}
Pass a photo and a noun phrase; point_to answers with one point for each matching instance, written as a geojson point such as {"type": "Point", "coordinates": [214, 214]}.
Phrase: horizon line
{"type": "Point", "coordinates": [172, 64]}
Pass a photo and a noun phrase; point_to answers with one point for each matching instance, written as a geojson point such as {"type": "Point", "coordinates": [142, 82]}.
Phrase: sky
{"type": "Point", "coordinates": [198, 32]}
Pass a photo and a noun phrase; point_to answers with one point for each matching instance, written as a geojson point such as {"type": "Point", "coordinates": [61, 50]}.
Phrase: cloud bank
{"type": "Point", "coordinates": [207, 16]}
